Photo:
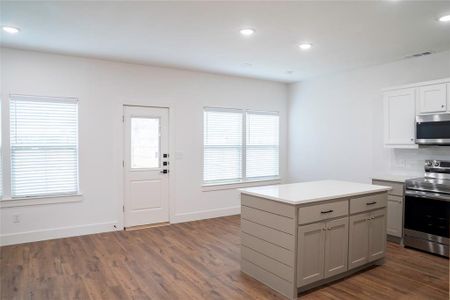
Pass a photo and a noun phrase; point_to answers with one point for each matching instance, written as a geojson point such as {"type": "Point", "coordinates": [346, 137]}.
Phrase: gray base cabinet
{"type": "Point", "coordinates": [394, 225]}
{"type": "Point", "coordinates": [336, 247]}
{"type": "Point", "coordinates": [359, 240]}
{"type": "Point", "coordinates": [311, 253]}
{"type": "Point", "coordinates": [377, 234]}
{"type": "Point", "coordinates": [322, 250]}
{"type": "Point", "coordinates": [297, 247]}
{"type": "Point", "coordinates": [367, 237]}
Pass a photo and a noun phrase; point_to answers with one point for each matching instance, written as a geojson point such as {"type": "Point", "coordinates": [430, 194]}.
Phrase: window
{"type": "Point", "coordinates": [262, 145]}
{"type": "Point", "coordinates": [222, 145]}
{"type": "Point", "coordinates": [240, 146]}
{"type": "Point", "coordinates": [44, 146]}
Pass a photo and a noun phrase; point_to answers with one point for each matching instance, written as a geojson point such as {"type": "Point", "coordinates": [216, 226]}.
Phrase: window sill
{"type": "Point", "coordinates": [28, 201]}
{"type": "Point", "coordinates": [237, 185]}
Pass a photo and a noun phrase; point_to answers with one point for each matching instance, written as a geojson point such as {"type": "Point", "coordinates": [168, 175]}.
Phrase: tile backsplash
{"type": "Point", "coordinates": [412, 160]}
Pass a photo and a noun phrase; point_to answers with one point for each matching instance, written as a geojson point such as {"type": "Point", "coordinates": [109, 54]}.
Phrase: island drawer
{"type": "Point", "coordinates": [324, 211]}
{"type": "Point", "coordinates": [368, 202]}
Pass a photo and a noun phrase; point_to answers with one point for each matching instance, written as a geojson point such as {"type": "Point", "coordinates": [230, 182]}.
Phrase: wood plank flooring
{"type": "Point", "coordinates": [196, 260]}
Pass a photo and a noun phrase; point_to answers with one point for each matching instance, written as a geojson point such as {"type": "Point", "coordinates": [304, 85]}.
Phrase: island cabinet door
{"type": "Point", "coordinates": [359, 240]}
{"type": "Point", "coordinates": [311, 245]}
{"type": "Point", "coordinates": [377, 234]}
{"type": "Point", "coordinates": [336, 247]}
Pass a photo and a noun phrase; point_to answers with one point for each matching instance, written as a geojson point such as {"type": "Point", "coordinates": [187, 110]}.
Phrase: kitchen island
{"type": "Point", "coordinates": [298, 236]}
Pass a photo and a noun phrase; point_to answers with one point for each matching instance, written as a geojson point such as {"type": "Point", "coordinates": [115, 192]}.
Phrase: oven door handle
{"type": "Point", "coordinates": [435, 196]}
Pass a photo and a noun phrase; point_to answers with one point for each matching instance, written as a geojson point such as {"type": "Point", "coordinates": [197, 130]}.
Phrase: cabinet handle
{"type": "Point", "coordinates": [326, 211]}
{"type": "Point", "coordinates": [371, 203]}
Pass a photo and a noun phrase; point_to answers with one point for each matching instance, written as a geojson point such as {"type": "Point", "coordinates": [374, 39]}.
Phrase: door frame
{"type": "Point", "coordinates": [171, 141]}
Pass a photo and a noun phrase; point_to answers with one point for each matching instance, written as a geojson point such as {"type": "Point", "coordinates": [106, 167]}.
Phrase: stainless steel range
{"type": "Point", "coordinates": [427, 209]}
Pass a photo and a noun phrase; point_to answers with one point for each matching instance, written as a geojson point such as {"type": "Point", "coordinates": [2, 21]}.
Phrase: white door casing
{"type": "Point", "coordinates": [146, 197]}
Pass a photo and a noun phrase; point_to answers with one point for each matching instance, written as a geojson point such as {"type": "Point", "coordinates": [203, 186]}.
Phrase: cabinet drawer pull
{"type": "Point", "coordinates": [326, 211]}
{"type": "Point", "coordinates": [370, 203]}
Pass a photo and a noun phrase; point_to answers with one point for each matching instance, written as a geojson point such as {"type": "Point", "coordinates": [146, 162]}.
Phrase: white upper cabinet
{"type": "Point", "coordinates": [432, 98]}
{"type": "Point", "coordinates": [403, 103]}
{"type": "Point", "coordinates": [399, 118]}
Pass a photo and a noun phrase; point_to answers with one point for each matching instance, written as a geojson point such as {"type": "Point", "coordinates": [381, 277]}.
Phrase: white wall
{"type": "Point", "coordinates": [102, 88]}
{"type": "Point", "coordinates": [336, 122]}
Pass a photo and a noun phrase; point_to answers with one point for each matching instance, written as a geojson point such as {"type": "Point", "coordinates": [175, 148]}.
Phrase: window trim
{"type": "Point", "coordinates": [243, 181]}
{"type": "Point", "coordinates": [7, 200]}
{"type": "Point", "coordinates": [39, 200]}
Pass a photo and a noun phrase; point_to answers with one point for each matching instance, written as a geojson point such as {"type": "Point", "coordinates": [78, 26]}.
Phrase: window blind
{"type": "Point", "coordinates": [262, 145]}
{"type": "Point", "coordinates": [44, 146]}
{"type": "Point", "coordinates": [222, 145]}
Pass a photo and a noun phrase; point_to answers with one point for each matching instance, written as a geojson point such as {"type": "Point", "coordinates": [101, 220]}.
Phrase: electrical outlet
{"type": "Point", "coordinates": [16, 219]}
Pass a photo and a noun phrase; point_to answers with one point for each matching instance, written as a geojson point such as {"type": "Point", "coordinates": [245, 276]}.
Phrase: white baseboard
{"type": "Point", "coordinates": [205, 214]}
{"type": "Point", "coordinates": [55, 233]}
{"type": "Point", "coordinates": [69, 231]}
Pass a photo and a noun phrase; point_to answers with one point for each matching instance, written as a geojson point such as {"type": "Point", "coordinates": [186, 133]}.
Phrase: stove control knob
{"type": "Point", "coordinates": [436, 164]}
{"type": "Point", "coordinates": [428, 163]}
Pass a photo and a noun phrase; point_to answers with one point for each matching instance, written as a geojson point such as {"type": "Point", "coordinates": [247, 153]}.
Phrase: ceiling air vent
{"type": "Point", "coordinates": [418, 55]}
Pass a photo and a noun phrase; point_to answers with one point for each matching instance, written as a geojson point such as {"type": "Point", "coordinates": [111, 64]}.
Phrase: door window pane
{"type": "Point", "coordinates": [145, 143]}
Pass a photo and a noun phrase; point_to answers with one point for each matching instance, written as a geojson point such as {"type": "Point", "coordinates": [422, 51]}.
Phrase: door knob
{"type": "Point", "coordinates": [164, 171]}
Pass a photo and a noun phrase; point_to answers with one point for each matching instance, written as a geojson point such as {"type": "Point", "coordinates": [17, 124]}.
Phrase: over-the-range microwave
{"type": "Point", "coordinates": [433, 129]}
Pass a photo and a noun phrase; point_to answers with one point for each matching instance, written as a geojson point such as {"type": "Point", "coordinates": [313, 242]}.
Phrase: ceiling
{"type": "Point", "coordinates": [205, 35]}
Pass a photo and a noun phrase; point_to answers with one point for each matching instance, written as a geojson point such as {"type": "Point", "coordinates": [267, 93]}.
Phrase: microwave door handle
{"type": "Point", "coordinates": [428, 195]}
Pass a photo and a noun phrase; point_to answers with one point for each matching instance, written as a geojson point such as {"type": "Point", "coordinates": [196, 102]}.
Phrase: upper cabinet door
{"type": "Point", "coordinates": [432, 98]}
{"type": "Point", "coordinates": [399, 118]}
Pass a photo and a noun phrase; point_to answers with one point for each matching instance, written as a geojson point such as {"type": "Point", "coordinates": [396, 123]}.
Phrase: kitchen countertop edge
{"type": "Point", "coordinates": [378, 189]}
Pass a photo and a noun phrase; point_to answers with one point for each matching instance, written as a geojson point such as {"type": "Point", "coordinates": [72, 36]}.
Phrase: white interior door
{"type": "Point", "coordinates": [145, 165]}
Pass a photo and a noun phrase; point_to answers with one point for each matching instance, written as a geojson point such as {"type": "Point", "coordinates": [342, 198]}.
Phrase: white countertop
{"type": "Point", "coordinates": [401, 178]}
{"type": "Point", "coordinates": [312, 191]}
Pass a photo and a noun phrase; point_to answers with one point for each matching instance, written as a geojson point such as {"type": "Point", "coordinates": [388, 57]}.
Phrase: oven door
{"type": "Point", "coordinates": [433, 129]}
{"type": "Point", "coordinates": [428, 213]}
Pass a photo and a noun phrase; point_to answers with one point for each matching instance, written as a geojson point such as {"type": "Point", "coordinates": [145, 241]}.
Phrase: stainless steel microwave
{"type": "Point", "coordinates": [433, 129]}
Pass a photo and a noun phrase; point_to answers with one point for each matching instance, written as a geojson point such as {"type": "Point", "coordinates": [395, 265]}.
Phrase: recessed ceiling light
{"type": "Point", "coordinates": [445, 18]}
{"type": "Point", "coordinates": [10, 29]}
{"type": "Point", "coordinates": [305, 46]}
{"type": "Point", "coordinates": [247, 31]}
